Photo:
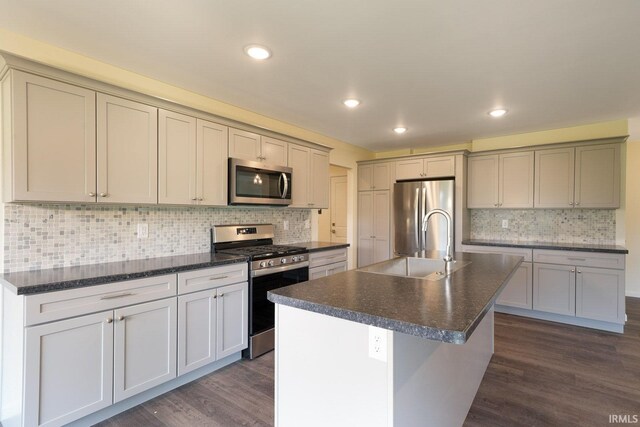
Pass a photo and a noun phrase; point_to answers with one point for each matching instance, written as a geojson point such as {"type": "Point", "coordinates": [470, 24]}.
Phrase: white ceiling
{"type": "Point", "coordinates": [436, 67]}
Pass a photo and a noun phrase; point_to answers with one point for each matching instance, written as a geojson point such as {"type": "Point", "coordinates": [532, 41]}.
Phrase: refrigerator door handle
{"type": "Point", "coordinates": [423, 207]}
{"type": "Point", "coordinates": [418, 213]}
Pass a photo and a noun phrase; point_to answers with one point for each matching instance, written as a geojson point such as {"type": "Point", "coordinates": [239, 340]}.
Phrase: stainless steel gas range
{"type": "Point", "coordinates": [270, 267]}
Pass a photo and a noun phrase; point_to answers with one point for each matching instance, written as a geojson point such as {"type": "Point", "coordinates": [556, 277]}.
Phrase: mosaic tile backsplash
{"type": "Point", "coordinates": [48, 236]}
{"type": "Point", "coordinates": [595, 226]}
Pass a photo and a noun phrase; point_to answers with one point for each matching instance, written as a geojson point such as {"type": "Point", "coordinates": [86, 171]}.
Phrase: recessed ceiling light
{"type": "Point", "coordinates": [498, 112]}
{"type": "Point", "coordinates": [351, 103]}
{"type": "Point", "coordinates": [400, 130]}
{"type": "Point", "coordinates": [257, 52]}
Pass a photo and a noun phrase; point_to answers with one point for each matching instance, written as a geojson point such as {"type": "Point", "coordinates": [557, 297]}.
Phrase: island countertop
{"type": "Point", "coordinates": [446, 310]}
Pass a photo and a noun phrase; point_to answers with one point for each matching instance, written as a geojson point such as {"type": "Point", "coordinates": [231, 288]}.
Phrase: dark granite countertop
{"type": "Point", "coordinates": [55, 279]}
{"type": "Point", "coordinates": [320, 246]}
{"type": "Point", "coordinates": [581, 247]}
{"type": "Point", "coordinates": [446, 310]}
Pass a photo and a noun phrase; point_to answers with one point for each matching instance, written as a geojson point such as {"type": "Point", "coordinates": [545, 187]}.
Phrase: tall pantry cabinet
{"type": "Point", "coordinates": [374, 206]}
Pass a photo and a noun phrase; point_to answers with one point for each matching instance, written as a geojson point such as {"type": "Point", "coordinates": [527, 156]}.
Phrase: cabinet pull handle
{"type": "Point", "coordinates": [496, 205]}
{"type": "Point", "coordinates": [121, 318]}
{"type": "Point", "coordinates": [194, 198]}
{"type": "Point", "coordinates": [109, 320]}
{"type": "Point", "coordinates": [577, 203]}
{"type": "Point", "coordinates": [215, 296]}
{"type": "Point", "coordinates": [218, 277]}
{"type": "Point", "coordinates": [126, 294]}
{"type": "Point", "coordinates": [103, 194]}
{"type": "Point", "coordinates": [579, 272]}
{"type": "Point", "coordinates": [92, 194]}
{"type": "Point", "coordinates": [221, 295]}
{"type": "Point", "coordinates": [570, 203]}
{"type": "Point", "coordinates": [201, 199]}
{"type": "Point", "coordinates": [576, 259]}
{"type": "Point", "coordinates": [573, 271]}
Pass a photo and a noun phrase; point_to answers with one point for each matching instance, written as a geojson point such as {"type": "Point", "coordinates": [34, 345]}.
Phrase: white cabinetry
{"type": "Point", "coordinates": [554, 288]}
{"type": "Point", "coordinates": [192, 158]}
{"type": "Point", "coordinates": [501, 181]}
{"type": "Point", "coordinates": [582, 177]}
{"type": "Point", "coordinates": [373, 227]}
{"type": "Point", "coordinates": [430, 167]}
{"type": "Point", "coordinates": [327, 263]}
{"type": "Point", "coordinates": [251, 146]}
{"type": "Point", "coordinates": [212, 323]}
{"type": "Point", "coordinates": [310, 177]}
{"type": "Point", "coordinates": [376, 176]}
{"type": "Point", "coordinates": [127, 147]}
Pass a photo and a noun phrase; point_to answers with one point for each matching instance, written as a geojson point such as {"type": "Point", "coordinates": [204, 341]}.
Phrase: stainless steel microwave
{"type": "Point", "coordinates": [255, 183]}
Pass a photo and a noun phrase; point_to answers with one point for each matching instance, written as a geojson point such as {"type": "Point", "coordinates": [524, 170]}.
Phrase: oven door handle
{"type": "Point", "coordinates": [271, 270]}
{"type": "Point", "coordinates": [286, 185]}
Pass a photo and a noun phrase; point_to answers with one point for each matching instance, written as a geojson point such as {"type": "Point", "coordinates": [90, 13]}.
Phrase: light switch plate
{"type": "Point", "coordinates": [505, 223]}
{"type": "Point", "coordinates": [143, 231]}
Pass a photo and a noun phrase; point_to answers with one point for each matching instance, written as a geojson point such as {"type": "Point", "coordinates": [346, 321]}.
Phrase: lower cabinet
{"type": "Point", "coordinates": [554, 288]}
{"type": "Point", "coordinates": [600, 294]}
{"type": "Point", "coordinates": [77, 366]}
{"type": "Point", "coordinates": [326, 263]}
{"type": "Point", "coordinates": [517, 293]}
{"type": "Point", "coordinates": [212, 324]}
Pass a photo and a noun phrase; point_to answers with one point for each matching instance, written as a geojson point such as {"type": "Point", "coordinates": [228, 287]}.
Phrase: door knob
{"type": "Point", "coordinates": [333, 231]}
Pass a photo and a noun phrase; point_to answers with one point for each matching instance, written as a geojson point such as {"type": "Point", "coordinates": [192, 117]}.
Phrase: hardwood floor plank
{"type": "Point", "coordinates": [542, 374]}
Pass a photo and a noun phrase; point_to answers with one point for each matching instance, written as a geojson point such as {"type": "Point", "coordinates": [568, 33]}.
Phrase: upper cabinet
{"type": "Point", "coordinates": [581, 177]}
{"type": "Point", "coordinates": [54, 140]}
{"type": "Point", "coordinates": [501, 181]}
{"type": "Point", "coordinates": [430, 167]}
{"type": "Point", "coordinates": [127, 146]}
{"type": "Point", "coordinates": [192, 161]}
{"type": "Point", "coordinates": [310, 177]}
{"type": "Point", "coordinates": [374, 176]}
{"type": "Point", "coordinates": [251, 146]}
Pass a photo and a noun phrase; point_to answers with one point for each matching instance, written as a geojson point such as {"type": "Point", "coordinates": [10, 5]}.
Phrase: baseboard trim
{"type": "Point", "coordinates": [558, 318]}
{"type": "Point", "coordinates": [635, 294]}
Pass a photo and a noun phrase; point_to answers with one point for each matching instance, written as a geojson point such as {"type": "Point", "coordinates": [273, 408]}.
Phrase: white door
{"type": "Point", "coordinates": [598, 176]}
{"type": "Point", "coordinates": [212, 165]}
{"type": "Point", "coordinates": [482, 182]}
{"type": "Point", "coordinates": [274, 151]}
{"type": "Point", "coordinates": [176, 158]}
{"type": "Point", "coordinates": [339, 209]}
{"type": "Point", "coordinates": [600, 294]}
{"type": "Point", "coordinates": [197, 317]}
{"type": "Point", "coordinates": [318, 179]}
{"type": "Point", "coordinates": [409, 169]}
{"type": "Point", "coordinates": [519, 291]}
{"type": "Point", "coordinates": [299, 162]}
{"type": "Point", "coordinates": [68, 369]}
{"type": "Point", "coordinates": [54, 140]}
{"type": "Point", "coordinates": [554, 178]}
{"type": "Point", "coordinates": [144, 347]}
{"type": "Point", "coordinates": [516, 180]}
{"type": "Point", "coordinates": [554, 288]}
{"type": "Point", "coordinates": [244, 145]}
{"type": "Point", "coordinates": [381, 225]}
{"type": "Point", "coordinates": [365, 177]}
{"type": "Point", "coordinates": [127, 151]}
{"type": "Point", "coordinates": [233, 319]}
{"type": "Point", "coordinates": [365, 228]}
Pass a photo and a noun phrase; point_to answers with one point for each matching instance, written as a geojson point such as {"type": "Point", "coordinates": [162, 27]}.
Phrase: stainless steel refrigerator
{"type": "Point", "coordinates": [411, 201]}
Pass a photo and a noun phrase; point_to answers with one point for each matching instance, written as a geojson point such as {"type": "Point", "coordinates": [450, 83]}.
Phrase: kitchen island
{"type": "Point", "coordinates": [362, 348]}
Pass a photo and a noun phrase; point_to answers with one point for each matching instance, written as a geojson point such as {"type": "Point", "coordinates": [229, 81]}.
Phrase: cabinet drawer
{"type": "Point", "coordinates": [199, 280]}
{"type": "Point", "coordinates": [316, 259]}
{"type": "Point", "coordinates": [500, 250]}
{"type": "Point", "coordinates": [581, 259]}
{"type": "Point", "coordinates": [74, 302]}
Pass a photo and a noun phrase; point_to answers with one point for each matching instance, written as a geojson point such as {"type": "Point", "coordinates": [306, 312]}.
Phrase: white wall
{"type": "Point", "coordinates": [631, 210]}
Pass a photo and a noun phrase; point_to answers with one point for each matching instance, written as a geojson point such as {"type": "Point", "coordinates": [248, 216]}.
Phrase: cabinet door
{"type": "Point", "coordinates": [381, 176]}
{"type": "Point", "coordinates": [319, 179]}
{"type": "Point", "coordinates": [127, 151]}
{"type": "Point", "coordinates": [244, 145]}
{"type": "Point", "coordinates": [299, 162]}
{"type": "Point", "coordinates": [176, 158]}
{"type": "Point", "coordinates": [68, 369]}
{"type": "Point", "coordinates": [598, 176]}
{"type": "Point", "coordinates": [336, 268]}
{"type": "Point", "coordinates": [409, 169]}
{"type": "Point", "coordinates": [274, 151]}
{"type": "Point", "coordinates": [365, 177]}
{"type": "Point", "coordinates": [515, 183]}
{"type": "Point", "coordinates": [482, 182]}
{"type": "Point", "coordinates": [518, 292]}
{"type": "Point", "coordinates": [54, 141]}
{"type": "Point", "coordinates": [600, 294]}
{"type": "Point", "coordinates": [554, 178]}
{"type": "Point", "coordinates": [365, 228]}
{"type": "Point", "coordinates": [381, 230]}
{"type": "Point", "coordinates": [318, 272]}
{"type": "Point", "coordinates": [554, 288]}
{"type": "Point", "coordinates": [437, 167]}
{"type": "Point", "coordinates": [197, 317]}
{"type": "Point", "coordinates": [144, 347]}
{"type": "Point", "coordinates": [233, 319]}
{"type": "Point", "coordinates": [212, 165]}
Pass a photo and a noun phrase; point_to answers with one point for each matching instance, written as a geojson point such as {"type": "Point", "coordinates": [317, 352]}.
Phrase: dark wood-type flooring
{"type": "Point", "coordinates": [542, 374]}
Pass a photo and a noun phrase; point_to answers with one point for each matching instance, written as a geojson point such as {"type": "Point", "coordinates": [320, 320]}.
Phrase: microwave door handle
{"type": "Point", "coordinates": [286, 185]}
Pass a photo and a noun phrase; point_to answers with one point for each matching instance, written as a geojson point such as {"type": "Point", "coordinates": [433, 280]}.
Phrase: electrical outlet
{"type": "Point", "coordinates": [505, 223]}
{"type": "Point", "coordinates": [307, 224]}
{"type": "Point", "coordinates": [143, 231]}
{"type": "Point", "coordinates": [285, 224]}
{"type": "Point", "coordinates": [378, 343]}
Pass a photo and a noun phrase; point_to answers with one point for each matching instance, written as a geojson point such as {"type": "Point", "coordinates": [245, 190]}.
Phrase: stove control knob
{"type": "Point", "coordinates": [271, 263]}
{"type": "Point", "coordinates": [295, 259]}
{"type": "Point", "coordinates": [301, 258]}
{"type": "Point", "coordinates": [263, 264]}
{"type": "Point", "coordinates": [283, 261]}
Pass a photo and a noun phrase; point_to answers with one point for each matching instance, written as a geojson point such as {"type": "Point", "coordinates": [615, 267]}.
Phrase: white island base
{"type": "Point", "coordinates": [326, 377]}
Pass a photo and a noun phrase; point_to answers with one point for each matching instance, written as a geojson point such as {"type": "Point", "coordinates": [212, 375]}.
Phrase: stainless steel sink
{"type": "Point", "coordinates": [423, 268]}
